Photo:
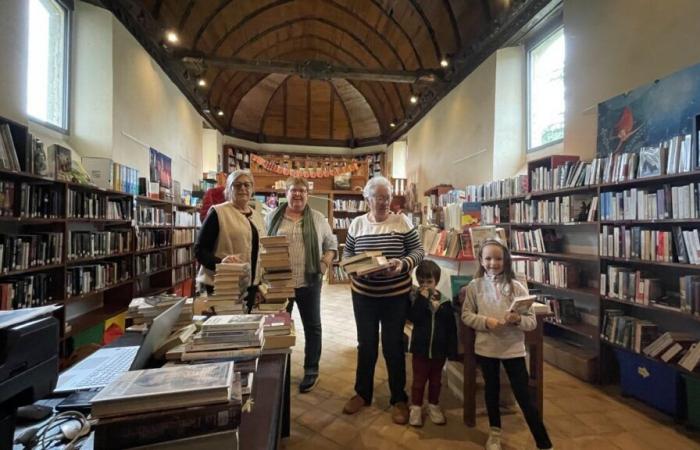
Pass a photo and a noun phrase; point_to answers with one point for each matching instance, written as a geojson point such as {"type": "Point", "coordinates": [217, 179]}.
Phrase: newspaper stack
{"type": "Point", "coordinates": [142, 310]}
{"type": "Point", "coordinates": [277, 286]}
{"type": "Point", "coordinates": [227, 336]}
{"type": "Point", "coordinates": [230, 283]}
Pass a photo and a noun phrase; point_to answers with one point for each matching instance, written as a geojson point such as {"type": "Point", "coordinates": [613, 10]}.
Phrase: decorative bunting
{"type": "Point", "coordinates": [326, 172]}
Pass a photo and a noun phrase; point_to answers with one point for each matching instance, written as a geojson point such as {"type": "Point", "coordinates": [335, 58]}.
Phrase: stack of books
{"type": "Point", "coordinates": [365, 263]}
{"type": "Point", "coordinates": [230, 282]}
{"type": "Point", "coordinates": [227, 336]}
{"type": "Point", "coordinates": [142, 310]}
{"type": "Point", "coordinates": [279, 331]}
{"type": "Point", "coordinates": [146, 407]}
{"type": "Point", "coordinates": [277, 286]}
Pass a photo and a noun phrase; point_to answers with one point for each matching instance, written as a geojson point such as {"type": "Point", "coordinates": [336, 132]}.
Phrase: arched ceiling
{"type": "Point", "coordinates": [335, 72]}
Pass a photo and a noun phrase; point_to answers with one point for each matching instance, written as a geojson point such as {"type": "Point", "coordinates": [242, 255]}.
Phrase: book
{"type": "Point", "coordinates": [150, 390]}
{"type": "Point", "coordinates": [233, 322]}
{"type": "Point", "coordinates": [521, 305]}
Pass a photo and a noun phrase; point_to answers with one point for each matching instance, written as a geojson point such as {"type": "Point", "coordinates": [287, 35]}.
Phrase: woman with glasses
{"type": "Point", "coordinates": [312, 247]}
{"type": "Point", "coordinates": [382, 298]}
{"type": "Point", "coordinates": [231, 234]}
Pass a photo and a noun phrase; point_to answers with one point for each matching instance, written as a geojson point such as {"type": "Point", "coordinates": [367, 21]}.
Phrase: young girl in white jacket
{"type": "Point", "coordinates": [500, 338]}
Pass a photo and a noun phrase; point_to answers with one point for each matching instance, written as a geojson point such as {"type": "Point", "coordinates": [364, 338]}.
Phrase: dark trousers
{"type": "Point", "coordinates": [391, 313]}
{"type": "Point", "coordinates": [426, 370]}
{"type": "Point", "coordinates": [308, 299]}
{"type": "Point", "coordinates": [517, 374]}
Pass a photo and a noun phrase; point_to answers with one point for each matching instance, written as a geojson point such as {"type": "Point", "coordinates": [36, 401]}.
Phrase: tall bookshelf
{"type": "Point", "coordinates": [91, 236]}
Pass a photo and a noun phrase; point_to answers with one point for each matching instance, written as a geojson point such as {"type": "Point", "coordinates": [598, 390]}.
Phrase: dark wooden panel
{"type": "Point", "coordinates": [341, 122]}
{"type": "Point", "coordinates": [296, 108]}
{"type": "Point", "coordinates": [319, 116]}
{"type": "Point", "coordinates": [273, 124]}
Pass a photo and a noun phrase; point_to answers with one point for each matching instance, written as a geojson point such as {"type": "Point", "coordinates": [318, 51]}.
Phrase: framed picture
{"type": "Point", "coordinates": [342, 181]}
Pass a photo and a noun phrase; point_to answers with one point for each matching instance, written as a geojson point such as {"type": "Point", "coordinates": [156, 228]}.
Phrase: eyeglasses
{"type": "Point", "coordinates": [299, 191]}
{"type": "Point", "coordinates": [381, 198]}
{"type": "Point", "coordinates": [242, 185]}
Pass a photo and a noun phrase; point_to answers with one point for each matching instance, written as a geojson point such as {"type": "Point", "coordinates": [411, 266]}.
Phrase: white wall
{"type": "Point", "coordinates": [612, 46]}
{"type": "Point", "coordinates": [13, 63]}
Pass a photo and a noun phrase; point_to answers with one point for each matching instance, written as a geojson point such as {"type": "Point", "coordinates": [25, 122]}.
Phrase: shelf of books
{"type": "Point", "coordinates": [78, 245]}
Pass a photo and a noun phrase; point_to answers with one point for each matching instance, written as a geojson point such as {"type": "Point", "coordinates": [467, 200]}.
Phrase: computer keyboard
{"type": "Point", "coordinates": [106, 373]}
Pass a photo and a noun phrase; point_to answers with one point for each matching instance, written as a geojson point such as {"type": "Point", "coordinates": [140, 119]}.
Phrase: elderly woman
{"type": "Point", "coordinates": [382, 298]}
{"type": "Point", "coordinates": [231, 233]}
{"type": "Point", "coordinates": [312, 247]}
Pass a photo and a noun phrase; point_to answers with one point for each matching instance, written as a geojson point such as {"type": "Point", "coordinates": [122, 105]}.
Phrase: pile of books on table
{"type": "Point", "coordinates": [171, 404]}
{"type": "Point", "coordinates": [227, 336]}
{"type": "Point", "coordinates": [230, 283]}
{"type": "Point", "coordinates": [279, 331]}
{"type": "Point", "coordinates": [143, 310]}
{"type": "Point", "coordinates": [365, 263]}
{"type": "Point", "coordinates": [277, 286]}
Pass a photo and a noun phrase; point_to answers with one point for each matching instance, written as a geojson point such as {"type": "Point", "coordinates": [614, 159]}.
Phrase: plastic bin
{"type": "Point", "coordinates": [692, 390]}
{"type": "Point", "coordinates": [653, 382]}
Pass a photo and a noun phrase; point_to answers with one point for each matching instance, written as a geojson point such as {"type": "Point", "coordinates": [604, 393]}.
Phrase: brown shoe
{"type": "Point", "coordinates": [354, 405]}
{"type": "Point", "coordinates": [399, 413]}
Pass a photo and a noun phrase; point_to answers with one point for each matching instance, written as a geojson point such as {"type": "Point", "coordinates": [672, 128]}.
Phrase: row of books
{"type": "Point", "coordinates": [555, 273]}
{"type": "Point", "coordinates": [570, 208]}
{"type": "Point", "coordinates": [182, 273]}
{"type": "Point", "coordinates": [26, 292]}
{"type": "Point", "coordinates": [8, 153]}
{"type": "Point", "coordinates": [567, 175]}
{"type": "Point", "coordinates": [498, 189]}
{"type": "Point", "coordinates": [93, 205]}
{"type": "Point", "coordinates": [142, 310]}
{"type": "Point", "coordinates": [675, 155]}
{"type": "Point", "coordinates": [650, 245]}
{"type": "Point", "coordinates": [339, 274]}
{"type": "Point", "coordinates": [627, 331]}
{"type": "Point", "coordinates": [563, 309]}
{"type": "Point", "coordinates": [349, 205]}
{"type": "Point", "coordinates": [85, 279]}
{"type": "Point", "coordinates": [341, 223]}
{"type": "Point", "coordinates": [184, 219]}
{"type": "Point", "coordinates": [442, 243]}
{"type": "Point", "coordinates": [183, 255]}
{"type": "Point", "coordinates": [7, 198]}
{"type": "Point", "coordinates": [670, 346]}
{"type": "Point", "coordinates": [493, 214]}
{"type": "Point", "coordinates": [669, 202]}
{"type": "Point", "coordinates": [624, 283]}
{"type": "Point", "coordinates": [147, 239]}
{"type": "Point", "coordinates": [39, 201]}
{"type": "Point", "coordinates": [22, 252]}
{"type": "Point", "coordinates": [183, 237]}
{"type": "Point", "coordinates": [153, 216]}
{"type": "Point", "coordinates": [151, 262]}
{"type": "Point", "coordinates": [535, 240]}
{"type": "Point", "coordinates": [125, 178]}
{"type": "Point", "coordinates": [230, 282]}
{"type": "Point", "coordinates": [85, 244]}
{"type": "Point", "coordinates": [227, 336]}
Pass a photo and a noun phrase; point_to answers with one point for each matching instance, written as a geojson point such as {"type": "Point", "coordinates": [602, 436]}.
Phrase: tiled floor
{"type": "Point", "coordinates": [577, 415]}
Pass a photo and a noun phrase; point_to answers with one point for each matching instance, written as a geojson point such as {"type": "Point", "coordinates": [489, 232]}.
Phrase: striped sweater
{"type": "Point", "coordinates": [395, 238]}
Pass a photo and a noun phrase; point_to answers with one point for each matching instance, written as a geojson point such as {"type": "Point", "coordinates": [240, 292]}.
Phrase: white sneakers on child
{"type": "Point", "coordinates": [415, 416]}
{"type": "Point", "coordinates": [436, 415]}
{"type": "Point", "coordinates": [494, 442]}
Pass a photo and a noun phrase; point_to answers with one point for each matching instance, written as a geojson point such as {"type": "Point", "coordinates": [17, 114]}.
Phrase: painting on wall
{"type": "Point", "coordinates": [650, 114]}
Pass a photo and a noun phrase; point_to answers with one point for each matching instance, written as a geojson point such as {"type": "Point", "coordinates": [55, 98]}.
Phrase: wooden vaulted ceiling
{"type": "Point", "coordinates": [376, 36]}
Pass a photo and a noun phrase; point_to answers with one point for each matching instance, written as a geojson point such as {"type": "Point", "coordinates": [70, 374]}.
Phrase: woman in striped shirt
{"type": "Point", "coordinates": [382, 297]}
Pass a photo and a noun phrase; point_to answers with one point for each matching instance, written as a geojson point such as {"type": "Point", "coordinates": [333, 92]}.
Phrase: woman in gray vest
{"type": "Point", "coordinates": [312, 247]}
{"type": "Point", "coordinates": [231, 233]}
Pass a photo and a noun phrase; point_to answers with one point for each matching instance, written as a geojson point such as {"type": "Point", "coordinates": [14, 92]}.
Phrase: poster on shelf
{"type": "Point", "coordinates": [160, 169]}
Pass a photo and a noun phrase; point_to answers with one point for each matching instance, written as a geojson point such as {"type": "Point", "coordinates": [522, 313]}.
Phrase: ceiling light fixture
{"type": "Point", "coordinates": [171, 36]}
{"type": "Point", "coordinates": [444, 62]}
{"type": "Point", "coordinates": [202, 82]}
{"type": "Point", "coordinates": [414, 99]}
{"type": "Point", "coordinates": [392, 125]}
{"type": "Point", "coordinates": [220, 112]}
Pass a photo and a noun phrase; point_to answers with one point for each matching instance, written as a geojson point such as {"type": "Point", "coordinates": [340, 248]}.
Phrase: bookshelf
{"type": "Point", "coordinates": [77, 245]}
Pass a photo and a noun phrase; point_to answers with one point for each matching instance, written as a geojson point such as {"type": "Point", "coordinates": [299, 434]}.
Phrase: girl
{"type": "Point", "coordinates": [500, 338]}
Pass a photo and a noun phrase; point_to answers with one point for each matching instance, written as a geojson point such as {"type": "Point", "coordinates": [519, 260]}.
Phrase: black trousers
{"type": "Point", "coordinates": [391, 313]}
{"type": "Point", "coordinates": [517, 374]}
{"type": "Point", "coordinates": [308, 300]}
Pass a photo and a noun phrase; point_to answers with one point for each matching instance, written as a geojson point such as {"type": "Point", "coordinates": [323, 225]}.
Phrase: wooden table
{"type": "Point", "coordinates": [533, 345]}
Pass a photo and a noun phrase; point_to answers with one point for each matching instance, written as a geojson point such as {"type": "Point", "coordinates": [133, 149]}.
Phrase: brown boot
{"type": "Point", "coordinates": [354, 405]}
{"type": "Point", "coordinates": [399, 413]}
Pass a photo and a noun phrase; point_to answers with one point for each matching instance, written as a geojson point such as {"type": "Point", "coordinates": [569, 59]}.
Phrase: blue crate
{"type": "Point", "coordinates": [653, 382]}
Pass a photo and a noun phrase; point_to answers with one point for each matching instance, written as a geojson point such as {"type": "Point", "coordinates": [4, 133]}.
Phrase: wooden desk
{"type": "Point", "coordinates": [533, 344]}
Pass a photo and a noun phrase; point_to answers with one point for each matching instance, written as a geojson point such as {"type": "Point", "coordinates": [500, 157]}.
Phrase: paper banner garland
{"type": "Point", "coordinates": [316, 172]}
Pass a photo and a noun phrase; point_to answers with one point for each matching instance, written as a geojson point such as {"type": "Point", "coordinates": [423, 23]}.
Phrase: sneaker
{"type": "Point", "coordinates": [354, 405]}
{"type": "Point", "coordinates": [399, 413]}
{"type": "Point", "coordinates": [308, 383]}
{"type": "Point", "coordinates": [494, 442]}
{"type": "Point", "coordinates": [436, 415]}
{"type": "Point", "coordinates": [415, 416]}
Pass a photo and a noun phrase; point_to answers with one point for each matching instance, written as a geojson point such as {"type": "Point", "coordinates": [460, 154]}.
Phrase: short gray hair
{"type": "Point", "coordinates": [374, 183]}
{"type": "Point", "coordinates": [232, 177]}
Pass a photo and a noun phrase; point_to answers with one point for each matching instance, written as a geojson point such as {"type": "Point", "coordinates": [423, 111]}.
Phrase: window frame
{"type": "Point", "coordinates": [68, 7]}
{"type": "Point", "coordinates": [548, 29]}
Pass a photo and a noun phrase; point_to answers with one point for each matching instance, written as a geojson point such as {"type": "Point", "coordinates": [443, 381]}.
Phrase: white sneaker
{"type": "Point", "coordinates": [415, 416]}
{"type": "Point", "coordinates": [436, 414]}
{"type": "Point", "coordinates": [494, 442]}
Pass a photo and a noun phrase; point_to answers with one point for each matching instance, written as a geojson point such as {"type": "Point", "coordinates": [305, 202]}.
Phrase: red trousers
{"type": "Point", "coordinates": [426, 370]}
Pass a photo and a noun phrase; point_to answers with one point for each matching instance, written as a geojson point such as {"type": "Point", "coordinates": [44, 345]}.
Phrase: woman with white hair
{"type": "Point", "coordinates": [231, 233]}
{"type": "Point", "coordinates": [382, 298]}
